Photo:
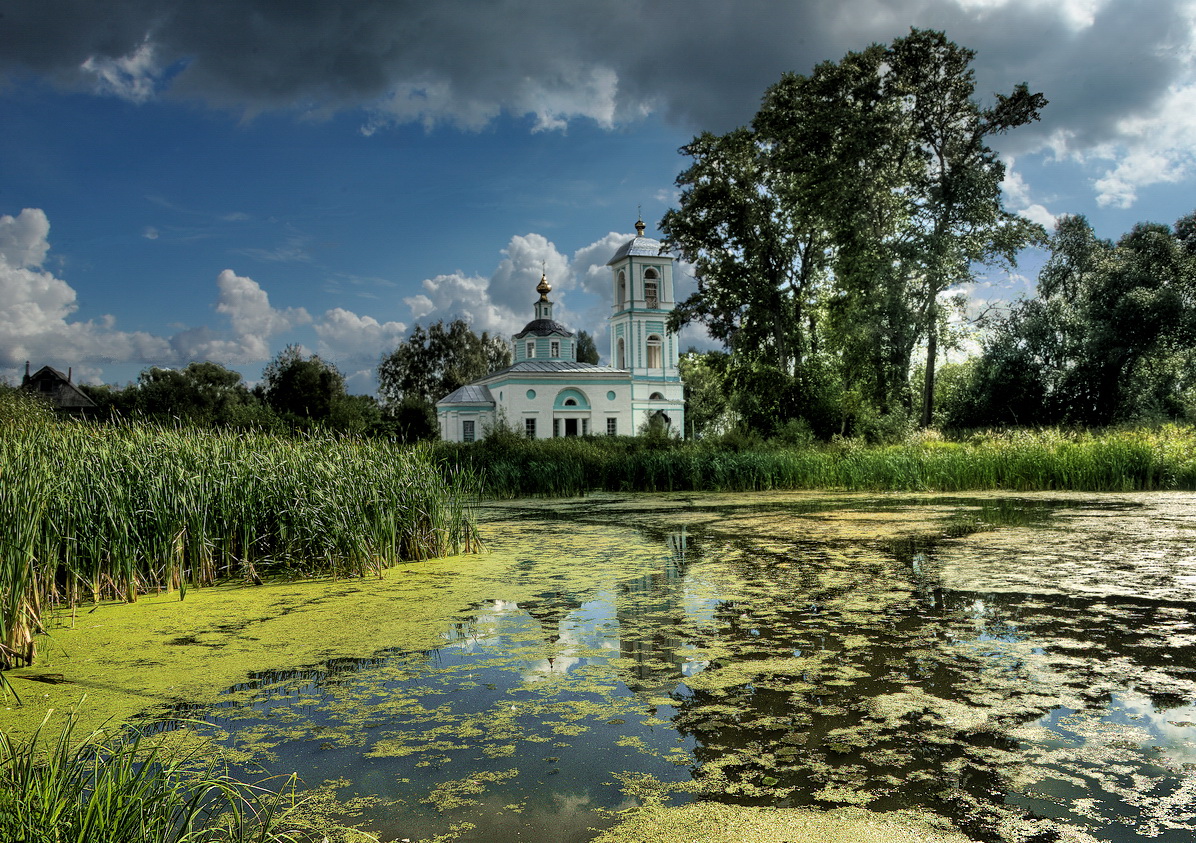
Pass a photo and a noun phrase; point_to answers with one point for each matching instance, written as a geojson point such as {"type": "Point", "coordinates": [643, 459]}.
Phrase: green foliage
{"type": "Point", "coordinates": [297, 392]}
{"type": "Point", "coordinates": [356, 415]}
{"type": "Point", "coordinates": [587, 351]}
{"type": "Point", "coordinates": [764, 396]}
{"type": "Point", "coordinates": [795, 433]}
{"type": "Point", "coordinates": [707, 401]}
{"type": "Point", "coordinates": [94, 512]}
{"type": "Point", "coordinates": [764, 399]}
{"type": "Point", "coordinates": [883, 426]}
{"type": "Point", "coordinates": [1109, 338]}
{"type": "Point", "coordinates": [412, 419]}
{"type": "Point", "coordinates": [300, 389]}
{"type": "Point", "coordinates": [113, 402]}
{"type": "Point", "coordinates": [824, 233]}
{"type": "Point", "coordinates": [202, 393]}
{"type": "Point", "coordinates": [433, 362]}
{"type": "Point", "coordinates": [757, 252]}
{"type": "Point", "coordinates": [1128, 460]}
{"type": "Point", "coordinates": [655, 428]}
{"type": "Point", "coordinates": [955, 388]}
{"type": "Point", "coordinates": [122, 789]}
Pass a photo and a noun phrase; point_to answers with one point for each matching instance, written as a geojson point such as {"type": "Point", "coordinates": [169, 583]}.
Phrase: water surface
{"type": "Point", "coordinates": [1023, 666]}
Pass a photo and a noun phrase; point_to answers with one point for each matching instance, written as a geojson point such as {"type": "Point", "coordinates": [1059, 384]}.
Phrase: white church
{"type": "Point", "coordinates": [547, 393]}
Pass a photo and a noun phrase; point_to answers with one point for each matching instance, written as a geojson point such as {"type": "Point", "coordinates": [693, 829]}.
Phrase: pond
{"type": "Point", "coordinates": [1023, 666]}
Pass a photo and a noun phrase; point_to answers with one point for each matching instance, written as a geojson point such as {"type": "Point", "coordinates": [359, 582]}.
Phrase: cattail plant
{"type": "Point", "coordinates": [93, 512]}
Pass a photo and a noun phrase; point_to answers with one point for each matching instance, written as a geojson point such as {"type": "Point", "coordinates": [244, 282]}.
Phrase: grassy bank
{"type": "Point", "coordinates": [120, 789]}
{"type": "Point", "coordinates": [89, 512]}
{"type": "Point", "coordinates": [1024, 460]}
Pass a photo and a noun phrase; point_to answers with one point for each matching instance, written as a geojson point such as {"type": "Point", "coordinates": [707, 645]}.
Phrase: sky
{"type": "Point", "coordinates": [184, 180]}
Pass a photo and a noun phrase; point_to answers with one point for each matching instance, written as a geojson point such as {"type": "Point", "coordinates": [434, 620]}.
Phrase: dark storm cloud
{"type": "Point", "coordinates": [702, 63]}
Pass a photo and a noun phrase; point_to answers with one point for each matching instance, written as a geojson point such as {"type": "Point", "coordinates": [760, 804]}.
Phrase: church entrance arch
{"type": "Point", "coordinates": [571, 413]}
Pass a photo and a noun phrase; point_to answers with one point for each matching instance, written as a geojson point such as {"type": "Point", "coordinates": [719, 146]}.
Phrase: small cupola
{"type": "Point", "coordinates": [543, 306]}
{"type": "Point", "coordinates": [543, 337]}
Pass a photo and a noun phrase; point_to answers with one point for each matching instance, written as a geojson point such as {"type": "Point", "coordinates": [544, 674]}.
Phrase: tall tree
{"type": "Point", "coordinates": [834, 222]}
{"type": "Point", "coordinates": [757, 250]}
{"type": "Point", "coordinates": [956, 206]}
{"type": "Point", "coordinates": [839, 138]}
{"type": "Point", "coordinates": [433, 362]}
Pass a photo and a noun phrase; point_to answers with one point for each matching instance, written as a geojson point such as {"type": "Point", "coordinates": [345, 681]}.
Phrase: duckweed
{"type": "Point", "coordinates": [768, 665]}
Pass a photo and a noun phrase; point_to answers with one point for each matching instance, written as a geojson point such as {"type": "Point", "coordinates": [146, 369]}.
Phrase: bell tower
{"type": "Point", "coordinates": [642, 280]}
{"type": "Point", "coordinates": [640, 342]}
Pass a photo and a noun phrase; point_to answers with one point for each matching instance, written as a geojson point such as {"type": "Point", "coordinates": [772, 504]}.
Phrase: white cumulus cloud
{"type": "Point", "coordinates": [254, 322]}
{"type": "Point", "coordinates": [1154, 148]}
{"type": "Point", "coordinates": [35, 307]}
{"type": "Point", "coordinates": [248, 307]}
{"type": "Point", "coordinates": [351, 339]}
{"type": "Point", "coordinates": [36, 310]}
{"type": "Point", "coordinates": [501, 303]}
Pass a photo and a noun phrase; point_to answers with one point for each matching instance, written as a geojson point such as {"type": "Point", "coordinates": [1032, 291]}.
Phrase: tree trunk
{"type": "Point", "coordinates": [931, 351]}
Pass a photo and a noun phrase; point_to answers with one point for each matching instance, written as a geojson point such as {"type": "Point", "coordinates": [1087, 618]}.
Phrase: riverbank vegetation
{"type": "Point", "coordinates": [1018, 460]}
{"type": "Point", "coordinates": [93, 511]}
{"type": "Point", "coordinates": [122, 789]}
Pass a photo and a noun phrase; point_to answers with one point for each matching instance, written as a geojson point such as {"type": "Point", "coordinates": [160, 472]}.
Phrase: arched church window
{"type": "Point", "coordinates": [651, 289]}
{"type": "Point", "coordinates": [570, 402]}
{"type": "Point", "coordinates": [622, 289]}
{"type": "Point", "coordinates": [655, 357]}
{"type": "Point", "coordinates": [656, 396]}
{"type": "Point", "coordinates": [621, 355]}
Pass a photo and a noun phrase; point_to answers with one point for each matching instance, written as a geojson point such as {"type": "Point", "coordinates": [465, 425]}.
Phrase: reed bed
{"type": "Point", "coordinates": [1019, 460]}
{"type": "Point", "coordinates": [93, 512]}
{"type": "Point", "coordinates": [121, 789]}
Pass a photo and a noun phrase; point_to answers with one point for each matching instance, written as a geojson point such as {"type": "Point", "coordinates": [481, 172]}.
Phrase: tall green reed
{"type": "Point", "coordinates": [1021, 460]}
{"type": "Point", "coordinates": [124, 789]}
{"type": "Point", "coordinates": [93, 512]}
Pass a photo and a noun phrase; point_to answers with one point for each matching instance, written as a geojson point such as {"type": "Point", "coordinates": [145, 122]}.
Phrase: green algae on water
{"type": "Point", "coordinates": [821, 654]}
{"type": "Point", "coordinates": [714, 823]}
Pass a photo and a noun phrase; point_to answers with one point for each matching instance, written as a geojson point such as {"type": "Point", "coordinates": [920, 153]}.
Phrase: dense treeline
{"type": "Point", "coordinates": [300, 392]}
{"type": "Point", "coordinates": [296, 393]}
{"type": "Point", "coordinates": [1109, 338]}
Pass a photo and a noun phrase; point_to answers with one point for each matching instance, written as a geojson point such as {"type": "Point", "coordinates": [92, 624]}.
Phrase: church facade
{"type": "Point", "coordinates": [546, 393]}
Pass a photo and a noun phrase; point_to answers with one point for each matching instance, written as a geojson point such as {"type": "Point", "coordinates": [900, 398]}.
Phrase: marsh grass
{"type": "Point", "coordinates": [123, 789]}
{"type": "Point", "coordinates": [92, 512]}
{"type": "Point", "coordinates": [1019, 460]}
